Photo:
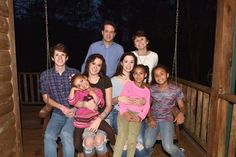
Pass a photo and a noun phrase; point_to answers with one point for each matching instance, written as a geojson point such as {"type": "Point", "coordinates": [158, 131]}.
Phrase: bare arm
{"type": "Point", "coordinates": [179, 119]}
{"type": "Point", "coordinates": [94, 126]}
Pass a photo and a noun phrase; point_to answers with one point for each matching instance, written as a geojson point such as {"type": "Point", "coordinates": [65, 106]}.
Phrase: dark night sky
{"type": "Point", "coordinates": [77, 24]}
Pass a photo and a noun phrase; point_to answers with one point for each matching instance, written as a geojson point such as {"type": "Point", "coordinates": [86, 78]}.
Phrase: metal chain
{"type": "Point", "coordinates": [174, 65]}
{"type": "Point", "coordinates": [47, 44]}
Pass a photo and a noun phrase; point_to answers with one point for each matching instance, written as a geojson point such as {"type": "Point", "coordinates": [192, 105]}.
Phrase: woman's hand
{"type": "Point", "coordinates": [124, 99]}
{"type": "Point", "coordinates": [136, 118]}
{"type": "Point", "coordinates": [179, 119]}
{"type": "Point", "coordinates": [139, 101]}
{"type": "Point", "coordinates": [95, 124]}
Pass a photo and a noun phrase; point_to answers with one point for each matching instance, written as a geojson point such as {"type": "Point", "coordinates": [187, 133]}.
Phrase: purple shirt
{"type": "Point", "coordinates": [163, 101]}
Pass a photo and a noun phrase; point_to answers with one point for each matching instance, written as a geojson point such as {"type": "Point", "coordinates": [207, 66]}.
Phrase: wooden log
{"type": "Point", "coordinates": [4, 42]}
{"type": "Point", "coordinates": [5, 58]}
{"type": "Point", "coordinates": [6, 90]}
{"type": "Point", "coordinates": [5, 74]}
{"type": "Point", "coordinates": [4, 26]}
{"type": "Point", "coordinates": [4, 9]}
{"type": "Point", "coordinates": [6, 106]}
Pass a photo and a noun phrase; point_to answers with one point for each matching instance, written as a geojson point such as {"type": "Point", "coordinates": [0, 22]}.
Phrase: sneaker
{"type": "Point", "coordinates": [182, 150]}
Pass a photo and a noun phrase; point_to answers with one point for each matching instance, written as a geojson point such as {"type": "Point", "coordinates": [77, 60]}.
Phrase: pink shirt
{"type": "Point", "coordinates": [131, 90]}
{"type": "Point", "coordinates": [83, 116]}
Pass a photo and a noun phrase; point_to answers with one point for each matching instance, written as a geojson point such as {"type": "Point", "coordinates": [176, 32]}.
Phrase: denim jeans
{"type": "Point", "coordinates": [112, 119]}
{"type": "Point", "coordinates": [59, 126]}
{"type": "Point", "coordinates": [167, 135]}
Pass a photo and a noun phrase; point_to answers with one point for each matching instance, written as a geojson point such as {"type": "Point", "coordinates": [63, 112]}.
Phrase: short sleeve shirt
{"type": "Point", "coordinates": [164, 101]}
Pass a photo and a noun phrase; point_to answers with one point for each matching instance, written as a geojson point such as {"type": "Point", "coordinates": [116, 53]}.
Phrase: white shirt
{"type": "Point", "coordinates": [151, 60]}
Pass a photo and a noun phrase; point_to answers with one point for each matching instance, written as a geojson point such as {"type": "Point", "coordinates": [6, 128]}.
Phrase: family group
{"type": "Point", "coordinates": [118, 101]}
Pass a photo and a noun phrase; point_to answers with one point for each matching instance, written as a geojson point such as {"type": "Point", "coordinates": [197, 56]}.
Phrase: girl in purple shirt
{"type": "Point", "coordinates": [164, 96]}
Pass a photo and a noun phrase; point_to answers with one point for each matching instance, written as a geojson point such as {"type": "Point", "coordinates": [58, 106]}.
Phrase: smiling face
{"type": "Point", "coordinates": [139, 75]}
{"type": "Point", "coordinates": [141, 42]}
{"type": "Point", "coordinates": [59, 58]}
{"type": "Point", "coordinates": [128, 64]}
{"type": "Point", "coordinates": [108, 33]}
{"type": "Point", "coordinates": [95, 66]}
{"type": "Point", "coordinates": [161, 76]}
{"type": "Point", "coordinates": [81, 82]}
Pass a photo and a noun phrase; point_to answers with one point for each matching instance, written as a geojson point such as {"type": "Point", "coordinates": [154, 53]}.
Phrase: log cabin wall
{"type": "Point", "coordinates": [10, 128]}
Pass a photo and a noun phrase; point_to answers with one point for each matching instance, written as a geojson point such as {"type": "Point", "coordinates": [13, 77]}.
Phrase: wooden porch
{"type": "Point", "coordinates": [33, 137]}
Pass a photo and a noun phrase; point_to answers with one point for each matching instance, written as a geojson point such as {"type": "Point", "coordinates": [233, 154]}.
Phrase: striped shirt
{"type": "Point", "coordinates": [164, 101]}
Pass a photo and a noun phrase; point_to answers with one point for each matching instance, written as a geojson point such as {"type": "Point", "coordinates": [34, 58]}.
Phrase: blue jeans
{"type": "Point", "coordinates": [167, 135]}
{"type": "Point", "coordinates": [59, 126]}
{"type": "Point", "coordinates": [112, 120]}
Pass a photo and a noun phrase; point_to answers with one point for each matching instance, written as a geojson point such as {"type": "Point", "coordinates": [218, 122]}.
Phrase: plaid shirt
{"type": "Point", "coordinates": [57, 86]}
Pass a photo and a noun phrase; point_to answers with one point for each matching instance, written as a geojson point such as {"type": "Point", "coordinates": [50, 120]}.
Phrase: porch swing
{"type": "Point", "coordinates": [46, 116]}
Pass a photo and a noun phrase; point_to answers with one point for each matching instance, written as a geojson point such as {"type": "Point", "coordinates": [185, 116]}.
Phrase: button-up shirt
{"type": "Point", "coordinates": [111, 54]}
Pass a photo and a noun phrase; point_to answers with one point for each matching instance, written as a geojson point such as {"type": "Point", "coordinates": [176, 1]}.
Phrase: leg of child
{"type": "Point", "coordinates": [78, 140]}
{"type": "Point", "coordinates": [133, 132]}
{"type": "Point", "coordinates": [104, 126]}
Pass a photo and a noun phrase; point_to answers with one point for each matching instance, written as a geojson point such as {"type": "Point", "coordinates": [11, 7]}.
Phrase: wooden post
{"type": "Point", "coordinates": [225, 23]}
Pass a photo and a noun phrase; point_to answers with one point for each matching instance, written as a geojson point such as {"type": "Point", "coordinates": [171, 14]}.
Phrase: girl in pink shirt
{"type": "Point", "coordinates": [81, 91]}
{"type": "Point", "coordinates": [130, 114]}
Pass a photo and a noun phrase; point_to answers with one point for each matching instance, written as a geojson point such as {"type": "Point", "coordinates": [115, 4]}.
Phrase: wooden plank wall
{"type": "Point", "coordinates": [10, 129]}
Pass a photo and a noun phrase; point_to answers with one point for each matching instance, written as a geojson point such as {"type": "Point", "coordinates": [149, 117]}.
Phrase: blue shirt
{"type": "Point", "coordinates": [57, 86]}
{"type": "Point", "coordinates": [111, 54]}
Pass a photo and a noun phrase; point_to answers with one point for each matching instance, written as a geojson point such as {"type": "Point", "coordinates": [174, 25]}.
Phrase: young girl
{"type": "Point", "coordinates": [130, 114]}
{"type": "Point", "coordinates": [160, 119]}
{"type": "Point", "coordinates": [81, 91]}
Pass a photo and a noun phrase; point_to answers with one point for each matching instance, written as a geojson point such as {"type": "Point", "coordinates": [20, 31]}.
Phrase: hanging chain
{"type": "Point", "coordinates": [174, 66]}
{"type": "Point", "coordinates": [47, 45]}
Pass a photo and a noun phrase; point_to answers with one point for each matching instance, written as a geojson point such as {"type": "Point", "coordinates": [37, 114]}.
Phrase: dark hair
{"type": "Point", "coordinates": [72, 81]}
{"type": "Point", "coordinates": [59, 47]}
{"type": "Point", "coordinates": [144, 67]}
{"type": "Point", "coordinates": [90, 59]}
{"type": "Point", "coordinates": [119, 69]}
{"type": "Point", "coordinates": [109, 23]}
{"type": "Point", "coordinates": [156, 67]}
{"type": "Point", "coordinates": [140, 33]}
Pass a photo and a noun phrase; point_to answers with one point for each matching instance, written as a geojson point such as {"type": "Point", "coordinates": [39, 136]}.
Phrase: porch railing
{"type": "Point", "coordinates": [197, 102]}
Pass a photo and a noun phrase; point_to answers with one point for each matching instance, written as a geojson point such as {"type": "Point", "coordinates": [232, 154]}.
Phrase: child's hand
{"type": "Point", "coordinates": [136, 118]}
{"type": "Point", "coordinates": [127, 116]}
{"type": "Point", "coordinates": [73, 89]}
{"type": "Point", "coordinates": [179, 119]}
{"type": "Point", "coordinates": [95, 97]}
{"type": "Point", "coordinates": [125, 100]}
{"type": "Point", "coordinates": [139, 101]}
{"type": "Point", "coordinates": [152, 123]}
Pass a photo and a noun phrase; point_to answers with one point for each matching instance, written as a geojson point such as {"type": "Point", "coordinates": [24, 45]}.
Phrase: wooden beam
{"type": "Point", "coordinates": [225, 23]}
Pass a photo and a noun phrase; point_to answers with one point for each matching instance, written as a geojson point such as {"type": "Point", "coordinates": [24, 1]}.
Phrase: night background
{"type": "Point", "coordinates": [77, 23]}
